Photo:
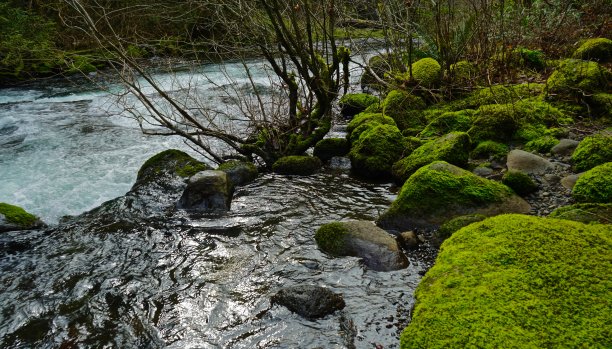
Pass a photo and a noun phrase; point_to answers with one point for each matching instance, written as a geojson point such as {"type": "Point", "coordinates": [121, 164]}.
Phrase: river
{"type": "Point", "coordinates": [177, 282]}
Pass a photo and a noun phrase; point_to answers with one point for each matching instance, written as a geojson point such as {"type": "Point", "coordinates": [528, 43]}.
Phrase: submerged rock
{"type": "Point", "coordinates": [441, 191]}
{"type": "Point", "coordinates": [311, 302]}
{"type": "Point", "coordinates": [496, 283]}
{"type": "Point", "coordinates": [378, 249]}
{"type": "Point", "coordinates": [207, 191]}
{"type": "Point", "coordinates": [16, 218]}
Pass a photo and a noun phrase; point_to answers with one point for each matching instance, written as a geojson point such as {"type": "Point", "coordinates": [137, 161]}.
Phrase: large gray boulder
{"type": "Point", "coordinates": [378, 249]}
{"type": "Point", "coordinates": [520, 160]}
{"type": "Point", "coordinates": [207, 191]}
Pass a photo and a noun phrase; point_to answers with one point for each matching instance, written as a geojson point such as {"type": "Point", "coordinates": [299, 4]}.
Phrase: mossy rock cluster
{"type": "Point", "coordinates": [373, 154]}
{"type": "Point", "coordinates": [16, 218]}
{"type": "Point", "coordinates": [520, 182]}
{"type": "Point", "coordinates": [453, 148]}
{"type": "Point", "coordinates": [171, 162]}
{"type": "Point", "coordinates": [597, 49]}
{"type": "Point", "coordinates": [595, 185]}
{"type": "Point", "coordinates": [440, 191]}
{"type": "Point", "coordinates": [301, 165]}
{"type": "Point", "coordinates": [363, 122]}
{"type": "Point", "coordinates": [449, 121]}
{"type": "Point", "coordinates": [516, 281]}
{"type": "Point", "coordinates": [404, 108]}
{"type": "Point", "coordinates": [574, 77]}
{"type": "Point", "coordinates": [354, 103]}
{"type": "Point", "coordinates": [490, 150]}
{"type": "Point", "coordinates": [585, 213]}
{"type": "Point", "coordinates": [592, 151]}
{"type": "Point", "coordinates": [497, 94]}
{"type": "Point", "coordinates": [327, 148]}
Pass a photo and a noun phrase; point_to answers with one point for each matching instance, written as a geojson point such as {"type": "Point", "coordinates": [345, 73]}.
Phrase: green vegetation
{"type": "Point", "coordinates": [516, 281]}
{"type": "Point", "coordinates": [585, 213]}
{"type": "Point", "coordinates": [365, 121]}
{"type": "Point", "coordinates": [330, 238]}
{"type": "Point", "coordinates": [354, 103]}
{"type": "Point", "coordinates": [497, 94]}
{"type": "Point", "coordinates": [447, 229]}
{"type": "Point", "coordinates": [170, 162]}
{"type": "Point", "coordinates": [592, 151]}
{"type": "Point", "coordinates": [490, 149]}
{"type": "Point", "coordinates": [327, 148]}
{"type": "Point", "coordinates": [403, 107]}
{"type": "Point", "coordinates": [301, 165]}
{"type": "Point", "coordinates": [449, 121]}
{"type": "Point", "coordinates": [17, 215]}
{"type": "Point", "coordinates": [574, 77]}
{"type": "Point", "coordinates": [599, 49]}
{"type": "Point", "coordinates": [595, 185]}
{"type": "Point", "coordinates": [453, 148]}
{"type": "Point", "coordinates": [427, 72]}
{"type": "Point", "coordinates": [542, 144]}
{"type": "Point", "coordinates": [520, 182]}
{"type": "Point", "coordinates": [373, 154]}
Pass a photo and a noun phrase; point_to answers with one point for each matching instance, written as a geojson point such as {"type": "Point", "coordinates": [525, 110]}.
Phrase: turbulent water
{"type": "Point", "coordinates": [175, 281]}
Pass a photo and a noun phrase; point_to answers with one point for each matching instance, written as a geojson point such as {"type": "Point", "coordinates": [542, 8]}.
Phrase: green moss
{"type": "Point", "coordinates": [520, 182]}
{"type": "Point", "coordinates": [601, 104]}
{"type": "Point", "coordinates": [373, 154]}
{"type": "Point", "coordinates": [490, 149]}
{"type": "Point", "coordinates": [354, 103]}
{"type": "Point", "coordinates": [500, 122]}
{"type": "Point", "coordinates": [599, 49]}
{"type": "Point", "coordinates": [462, 71]}
{"type": "Point", "coordinates": [364, 121]}
{"type": "Point", "coordinates": [447, 229]}
{"type": "Point", "coordinates": [327, 148]}
{"type": "Point", "coordinates": [592, 151]}
{"type": "Point", "coordinates": [533, 59]}
{"type": "Point", "coordinates": [17, 215]}
{"type": "Point", "coordinates": [595, 185]}
{"type": "Point", "coordinates": [173, 162]}
{"type": "Point", "coordinates": [453, 148]}
{"type": "Point", "coordinates": [330, 238]}
{"type": "Point", "coordinates": [542, 144]}
{"type": "Point", "coordinates": [449, 121]}
{"type": "Point", "coordinates": [516, 281]}
{"type": "Point", "coordinates": [401, 106]}
{"type": "Point", "coordinates": [498, 94]}
{"type": "Point", "coordinates": [585, 213]}
{"type": "Point", "coordinates": [436, 188]}
{"type": "Point", "coordinates": [297, 165]}
{"type": "Point", "coordinates": [426, 72]}
{"type": "Point", "coordinates": [575, 77]}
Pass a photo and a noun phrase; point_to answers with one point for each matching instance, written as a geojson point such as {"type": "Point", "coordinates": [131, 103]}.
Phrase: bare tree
{"type": "Point", "coordinates": [303, 62]}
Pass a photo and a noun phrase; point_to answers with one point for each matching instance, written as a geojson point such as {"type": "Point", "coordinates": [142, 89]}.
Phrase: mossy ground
{"type": "Point", "coordinates": [447, 229]}
{"type": "Point", "coordinates": [404, 107]}
{"type": "Point", "coordinates": [364, 121]}
{"type": "Point", "coordinates": [574, 77]}
{"type": "Point", "coordinates": [598, 49]}
{"type": "Point", "coordinates": [17, 215]}
{"type": "Point", "coordinates": [515, 281]}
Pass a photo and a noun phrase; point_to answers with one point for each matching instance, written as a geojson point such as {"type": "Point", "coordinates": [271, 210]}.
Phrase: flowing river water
{"type": "Point", "coordinates": [176, 281]}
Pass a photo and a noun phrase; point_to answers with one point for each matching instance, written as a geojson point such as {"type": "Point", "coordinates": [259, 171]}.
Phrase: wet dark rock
{"type": "Point", "coordinates": [207, 191]}
{"type": "Point", "coordinates": [311, 302]}
{"type": "Point", "coordinates": [239, 172]}
{"type": "Point", "coordinates": [409, 239]}
{"type": "Point", "coordinates": [378, 249]}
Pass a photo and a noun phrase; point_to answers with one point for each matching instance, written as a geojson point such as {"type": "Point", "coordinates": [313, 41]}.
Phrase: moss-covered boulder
{"type": "Point", "coordinates": [404, 108]}
{"type": "Point", "coordinates": [498, 94]}
{"type": "Point", "coordinates": [542, 144]}
{"type": "Point", "coordinates": [461, 72]}
{"type": "Point", "coordinates": [592, 151]}
{"type": "Point", "coordinates": [363, 239]}
{"type": "Point", "coordinates": [599, 49]}
{"type": "Point", "coordinates": [490, 150]}
{"type": "Point", "coordinates": [373, 154]}
{"type": "Point", "coordinates": [327, 148]}
{"type": "Point", "coordinates": [354, 103]}
{"type": "Point", "coordinates": [440, 191]}
{"type": "Point", "coordinates": [447, 122]}
{"type": "Point", "coordinates": [448, 228]}
{"type": "Point", "coordinates": [301, 165]}
{"type": "Point", "coordinates": [516, 281]}
{"type": "Point", "coordinates": [575, 77]}
{"type": "Point", "coordinates": [168, 163]}
{"type": "Point", "coordinates": [520, 182]}
{"type": "Point", "coordinates": [453, 148]}
{"type": "Point", "coordinates": [364, 121]}
{"type": "Point", "coordinates": [239, 172]}
{"type": "Point", "coordinates": [585, 213]}
{"type": "Point", "coordinates": [501, 122]}
{"type": "Point", "coordinates": [16, 218]}
{"type": "Point", "coordinates": [427, 72]}
{"type": "Point", "coordinates": [601, 104]}
{"type": "Point", "coordinates": [595, 185]}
